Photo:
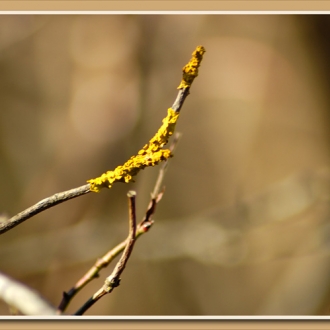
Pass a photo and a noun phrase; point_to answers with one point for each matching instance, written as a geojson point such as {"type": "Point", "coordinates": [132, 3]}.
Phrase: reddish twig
{"type": "Point", "coordinates": [103, 262]}
{"type": "Point", "coordinates": [113, 280]}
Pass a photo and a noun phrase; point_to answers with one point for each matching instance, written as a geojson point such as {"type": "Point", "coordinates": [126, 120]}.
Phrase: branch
{"type": "Point", "coordinates": [22, 298]}
{"type": "Point", "coordinates": [103, 262]}
{"type": "Point", "coordinates": [113, 280]}
{"type": "Point", "coordinates": [150, 155]}
{"type": "Point", "coordinates": [42, 206]}
{"type": "Point", "coordinates": [142, 228]}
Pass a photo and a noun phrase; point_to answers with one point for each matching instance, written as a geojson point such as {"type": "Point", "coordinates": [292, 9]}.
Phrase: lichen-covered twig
{"type": "Point", "coordinates": [113, 280]}
{"type": "Point", "coordinates": [150, 155]}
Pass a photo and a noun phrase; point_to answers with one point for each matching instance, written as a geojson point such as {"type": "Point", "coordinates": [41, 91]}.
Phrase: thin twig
{"type": "Point", "coordinates": [103, 262]}
{"type": "Point", "coordinates": [113, 280]}
{"type": "Point", "coordinates": [178, 103]}
{"type": "Point", "coordinates": [42, 206]}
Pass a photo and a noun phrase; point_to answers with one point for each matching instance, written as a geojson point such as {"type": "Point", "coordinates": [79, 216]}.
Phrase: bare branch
{"type": "Point", "coordinates": [178, 103]}
{"type": "Point", "coordinates": [42, 206]}
{"type": "Point", "coordinates": [103, 262]}
{"type": "Point", "coordinates": [22, 298]}
{"type": "Point", "coordinates": [114, 277]}
{"type": "Point", "coordinates": [113, 280]}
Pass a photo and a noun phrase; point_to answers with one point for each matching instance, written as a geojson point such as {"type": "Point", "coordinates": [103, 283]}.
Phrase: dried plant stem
{"type": "Point", "coordinates": [113, 280]}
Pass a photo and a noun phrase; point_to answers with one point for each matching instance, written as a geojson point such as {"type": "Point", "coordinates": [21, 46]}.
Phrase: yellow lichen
{"type": "Point", "coordinates": [190, 71]}
{"type": "Point", "coordinates": [150, 155]}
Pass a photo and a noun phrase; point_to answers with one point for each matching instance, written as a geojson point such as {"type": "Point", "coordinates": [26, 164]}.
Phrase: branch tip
{"type": "Point", "coordinates": [190, 70]}
{"type": "Point", "coordinates": [131, 194]}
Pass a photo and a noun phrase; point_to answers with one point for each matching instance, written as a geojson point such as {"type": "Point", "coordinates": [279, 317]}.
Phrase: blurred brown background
{"type": "Point", "coordinates": [243, 228]}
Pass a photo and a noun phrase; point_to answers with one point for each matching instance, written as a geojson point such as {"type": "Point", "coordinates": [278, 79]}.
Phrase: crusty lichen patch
{"type": "Point", "coordinates": [150, 155]}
